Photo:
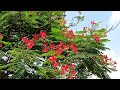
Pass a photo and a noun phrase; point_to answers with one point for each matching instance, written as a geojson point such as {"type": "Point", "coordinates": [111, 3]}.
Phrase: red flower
{"type": "Point", "coordinates": [94, 36]}
{"type": "Point", "coordinates": [43, 35]}
{"type": "Point", "coordinates": [110, 59]}
{"type": "Point", "coordinates": [36, 36]}
{"type": "Point", "coordinates": [59, 51]}
{"type": "Point", "coordinates": [71, 45]}
{"type": "Point", "coordinates": [55, 65]}
{"type": "Point", "coordinates": [45, 49]}
{"type": "Point", "coordinates": [97, 39]}
{"type": "Point", "coordinates": [0, 45]}
{"type": "Point", "coordinates": [105, 34]}
{"type": "Point", "coordinates": [68, 77]}
{"type": "Point", "coordinates": [71, 34]}
{"type": "Point", "coordinates": [45, 44]}
{"type": "Point", "coordinates": [73, 72]}
{"type": "Point", "coordinates": [83, 35]}
{"type": "Point", "coordinates": [106, 60]}
{"type": "Point", "coordinates": [52, 59]}
{"type": "Point", "coordinates": [25, 40]}
{"type": "Point", "coordinates": [68, 33]}
{"type": "Point", "coordinates": [30, 44]}
{"type": "Point", "coordinates": [105, 56]}
{"type": "Point", "coordinates": [71, 66]}
{"type": "Point", "coordinates": [66, 46]}
{"type": "Point", "coordinates": [65, 68]}
{"type": "Point", "coordinates": [75, 50]}
{"type": "Point", "coordinates": [60, 44]}
{"type": "Point", "coordinates": [52, 46]}
{"type": "Point", "coordinates": [61, 72]}
{"type": "Point", "coordinates": [73, 77]}
{"type": "Point", "coordinates": [93, 22]}
{"type": "Point", "coordinates": [115, 62]}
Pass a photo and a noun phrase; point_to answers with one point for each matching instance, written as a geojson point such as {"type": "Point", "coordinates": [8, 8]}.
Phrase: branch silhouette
{"type": "Point", "coordinates": [112, 28]}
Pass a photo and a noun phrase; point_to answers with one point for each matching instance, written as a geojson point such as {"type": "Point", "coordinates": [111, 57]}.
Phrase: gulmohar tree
{"type": "Point", "coordinates": [39, 45]}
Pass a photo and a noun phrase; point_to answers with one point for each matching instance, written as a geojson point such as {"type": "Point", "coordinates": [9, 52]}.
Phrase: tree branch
{"type": "Point", "coordinates": [112, 28]}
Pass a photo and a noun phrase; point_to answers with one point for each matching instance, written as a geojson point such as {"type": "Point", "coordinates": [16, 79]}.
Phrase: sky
{"type": "Point", "coordinates": [108, 19]}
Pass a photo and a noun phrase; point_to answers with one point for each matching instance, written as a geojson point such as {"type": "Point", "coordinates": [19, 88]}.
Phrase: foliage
{"type": "Point", "coordinates": [38, 45]}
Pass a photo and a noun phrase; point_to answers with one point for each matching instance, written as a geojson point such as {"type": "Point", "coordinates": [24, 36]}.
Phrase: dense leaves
{"type": "Point", "coordinates": [39, 45]}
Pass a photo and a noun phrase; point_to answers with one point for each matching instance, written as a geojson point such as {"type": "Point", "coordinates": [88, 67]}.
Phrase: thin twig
{"type": "Point", "coordinates": [112, 28]}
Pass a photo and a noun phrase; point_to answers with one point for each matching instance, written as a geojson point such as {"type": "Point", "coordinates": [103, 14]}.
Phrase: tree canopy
{"type": "Point", "coordinates": [39, 45]}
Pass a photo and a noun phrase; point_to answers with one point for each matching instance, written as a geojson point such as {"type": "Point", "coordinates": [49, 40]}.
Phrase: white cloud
{"type": "Point", "coordinates": [115, 17]}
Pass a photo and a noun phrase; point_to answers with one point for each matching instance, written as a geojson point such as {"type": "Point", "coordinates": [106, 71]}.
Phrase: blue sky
{"type": "Point", "coordinates": [108, 18]}
{"type": "Point", "coordinates": [98, 16]}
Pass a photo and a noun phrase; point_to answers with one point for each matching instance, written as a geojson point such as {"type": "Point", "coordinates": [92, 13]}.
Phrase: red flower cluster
{"type": "Point", "coordinates": [83, 35]}
{"type": "Point", "coordinates": [58, 49]}
{"type": "Point", "coordinates": [29, 43]}
{"type": "Point", "coordinates": [105, 59]}
{"type": "Point", "coordinates": [73, 47]}
{"type": "Point", "coordinates": [53, 61]}
{"type": "Point", "coordinates": [72, 71]}
{"type": "Point", "coordinates": [97, 39]}
{"type": "Point", "coordinates": [66, 68]}
{"type": "Point", "coordinates": [45, 49]}
{"type": "Point", "coordinates": [36, 36]}
{"type": "Point", "coordinates": [93, 23]}
{"type": "Point", "coordinates": [43, 35]}
{"type": "Point", "coordinates": [86, 28]}
{"type": "Point", "coordinates": [68, 33]}
{"type": "Point", "coordinates": [55, 65]}
{"type": "Point", "coordinates": [71, 66]}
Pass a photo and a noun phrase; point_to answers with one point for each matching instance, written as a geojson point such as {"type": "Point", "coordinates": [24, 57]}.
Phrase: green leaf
{"type": "Point", "coordinates": [60, 37]}
{"type": "Point", "coordinates": [80, 32]}
{"type": "Point", "coordinates": [101, 30]}
{"type": "Point", "coordinates": [61, 56]}
{"type": "Point", "coordinates": [35, 26]}
{"type": "Point", "coordinates": [104, 40]}
{"type": "Point", "coordinates": [42, 71]}
{"type": "Point", "coordinates": [46, 62]}
{"type": "Point", "coordinates": [48, 53]}
{"type": "Point", "coordinates": [19, 73]}
{"type": "Point", "coordinates": [5, 66]}
{"type": "Point", "coordinates": [6, 43]}
{"type": "Point", "coordinates": [55, 30]}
